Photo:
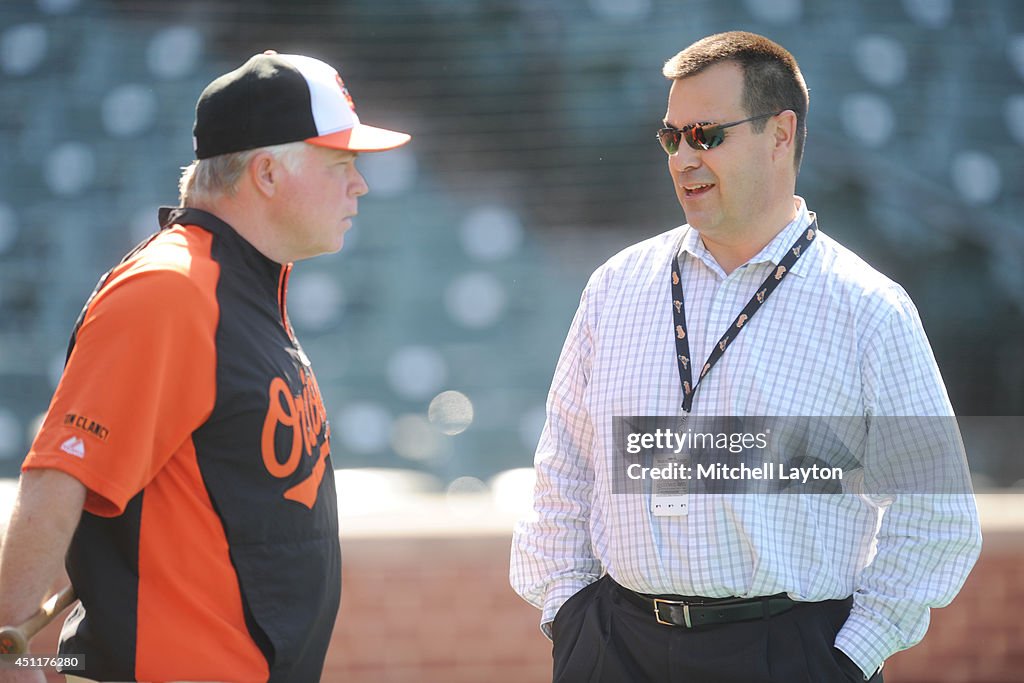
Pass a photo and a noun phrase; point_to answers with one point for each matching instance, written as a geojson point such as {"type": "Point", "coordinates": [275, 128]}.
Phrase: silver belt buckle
{"type": "Point", "coordinates": [686, 612]}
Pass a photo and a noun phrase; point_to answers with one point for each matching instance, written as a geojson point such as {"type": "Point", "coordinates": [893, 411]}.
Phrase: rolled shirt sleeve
{"type": "Point", "coordinates": [929, 537]}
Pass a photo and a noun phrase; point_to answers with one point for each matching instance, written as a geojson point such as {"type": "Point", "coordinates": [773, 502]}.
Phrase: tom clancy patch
{"type": "Point", "coordinates": [87, 425]}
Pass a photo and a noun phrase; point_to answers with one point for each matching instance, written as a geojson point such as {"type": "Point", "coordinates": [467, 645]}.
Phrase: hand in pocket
{"type": "Point", "coordinates": [848, 667]}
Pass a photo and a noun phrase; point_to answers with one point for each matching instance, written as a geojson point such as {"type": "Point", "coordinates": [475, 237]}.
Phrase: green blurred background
{"type": "Point", "coordinates": [533, 160]}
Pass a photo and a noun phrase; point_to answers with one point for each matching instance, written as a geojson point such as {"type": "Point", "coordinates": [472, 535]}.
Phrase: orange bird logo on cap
{"type": "Point", "coordinates": [344, 91]}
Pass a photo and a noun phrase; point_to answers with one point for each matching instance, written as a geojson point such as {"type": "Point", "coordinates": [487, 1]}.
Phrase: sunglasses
{"type": "Point", "coordinates": [701, 136]}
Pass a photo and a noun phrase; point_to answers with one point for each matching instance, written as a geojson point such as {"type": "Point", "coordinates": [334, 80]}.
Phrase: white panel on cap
{"type": "Point", "coordinates": [331, 112]}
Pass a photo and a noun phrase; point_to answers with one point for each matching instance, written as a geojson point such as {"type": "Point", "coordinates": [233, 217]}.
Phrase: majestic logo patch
{"type": "Point", "coordinates": [74, 446]}
{"type": "Point", "coordinates": [86, 425]}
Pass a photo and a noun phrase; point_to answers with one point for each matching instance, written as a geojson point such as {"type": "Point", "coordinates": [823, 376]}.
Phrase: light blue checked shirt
{"type": "Point", "coordinates": [836, 338]}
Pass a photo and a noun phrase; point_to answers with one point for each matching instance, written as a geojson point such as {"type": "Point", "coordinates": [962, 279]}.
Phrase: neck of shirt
{"type": "Point", "coordinates": [731, 256]}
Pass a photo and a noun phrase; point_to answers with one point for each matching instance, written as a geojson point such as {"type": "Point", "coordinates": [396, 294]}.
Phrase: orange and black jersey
{"type": "Point", "coordinates": [208, 548]}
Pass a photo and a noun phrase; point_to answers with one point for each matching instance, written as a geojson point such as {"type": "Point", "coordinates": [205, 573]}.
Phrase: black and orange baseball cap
{"type": "Point", "coordinates": [273, 99]}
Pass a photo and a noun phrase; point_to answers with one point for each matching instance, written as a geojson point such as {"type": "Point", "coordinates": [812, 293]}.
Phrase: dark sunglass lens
{"type": "Point", "coordinates": [695, 137]}
{"type": "Point", "coordinates": [669, 139]}
{"type": "Point", "coordinates": [707, 137]}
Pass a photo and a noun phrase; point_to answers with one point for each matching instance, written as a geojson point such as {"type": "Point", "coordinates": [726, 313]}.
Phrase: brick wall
{"type": "Point", "coordinates": [438, 609]}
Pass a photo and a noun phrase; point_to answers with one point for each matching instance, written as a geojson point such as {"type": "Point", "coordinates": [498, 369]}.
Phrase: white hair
{"type": "Point", "coordinates": [205, 179]}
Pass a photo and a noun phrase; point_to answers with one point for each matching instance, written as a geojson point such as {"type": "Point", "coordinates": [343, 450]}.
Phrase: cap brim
{"type": "Point", "coordinates": [362, 138]}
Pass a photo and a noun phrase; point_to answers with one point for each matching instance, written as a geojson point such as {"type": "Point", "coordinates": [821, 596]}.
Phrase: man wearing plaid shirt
{"type": "Point", "coordinates": [748, 310]}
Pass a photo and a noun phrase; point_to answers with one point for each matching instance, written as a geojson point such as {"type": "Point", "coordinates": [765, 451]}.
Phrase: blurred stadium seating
{"type": "Point", "coordinates": [533, 160]}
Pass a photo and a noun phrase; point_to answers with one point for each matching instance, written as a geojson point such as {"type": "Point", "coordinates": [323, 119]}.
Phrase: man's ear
{"type": "Point", "coordinates": [784, 134]}
{"type": "Point", "coordinates": [264, 171]}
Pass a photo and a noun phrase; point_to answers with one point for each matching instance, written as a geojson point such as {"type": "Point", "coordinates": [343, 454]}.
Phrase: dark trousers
{"type": "Point", "coordinates": [600, 637]}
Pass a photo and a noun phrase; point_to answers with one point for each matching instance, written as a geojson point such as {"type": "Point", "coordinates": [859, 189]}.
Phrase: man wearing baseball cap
{"type": "Point", "coordinates": [184, 464]}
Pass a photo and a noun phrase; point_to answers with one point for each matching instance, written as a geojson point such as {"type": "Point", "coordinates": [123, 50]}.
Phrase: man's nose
{"type": "Point", "coordinates": [358, 187]}
{"type": "Point", "coordinates": [685, 159]}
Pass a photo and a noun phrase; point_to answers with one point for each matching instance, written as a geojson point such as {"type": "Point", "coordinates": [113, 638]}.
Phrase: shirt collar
{"type": "Point", "coordinates": [772, 252]}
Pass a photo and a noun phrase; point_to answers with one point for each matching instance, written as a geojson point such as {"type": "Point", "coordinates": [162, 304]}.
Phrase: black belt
{"type": "Point", "coordinates": [693, 612]}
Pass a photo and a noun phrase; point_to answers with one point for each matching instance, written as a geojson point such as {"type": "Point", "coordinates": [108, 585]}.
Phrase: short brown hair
{"type": "Point", "coordinates": [772, 80]}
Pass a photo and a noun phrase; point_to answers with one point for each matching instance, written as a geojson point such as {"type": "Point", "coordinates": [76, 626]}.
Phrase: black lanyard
{"type": "Point", "coordinates": [755, 303]}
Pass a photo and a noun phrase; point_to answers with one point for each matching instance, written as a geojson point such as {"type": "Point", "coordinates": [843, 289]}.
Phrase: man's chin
{"type": "Point", "coordinates": [332, 248]}
{"type": "Point", "coordinates": [695, 220]}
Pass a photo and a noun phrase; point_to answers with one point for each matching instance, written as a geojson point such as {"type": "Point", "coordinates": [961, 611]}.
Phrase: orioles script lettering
{"type": "Point", "coordinates": [304, 417]}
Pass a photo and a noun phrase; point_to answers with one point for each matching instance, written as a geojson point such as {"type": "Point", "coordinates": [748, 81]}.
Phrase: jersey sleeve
{"type": "Point", "coordinates": [140, 379]}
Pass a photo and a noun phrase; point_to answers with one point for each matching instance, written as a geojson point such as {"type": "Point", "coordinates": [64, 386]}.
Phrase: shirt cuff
{"type": "Point", "coordinates": [545, 628]}
{"type": "Point", "coordinates": [868, 642]}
